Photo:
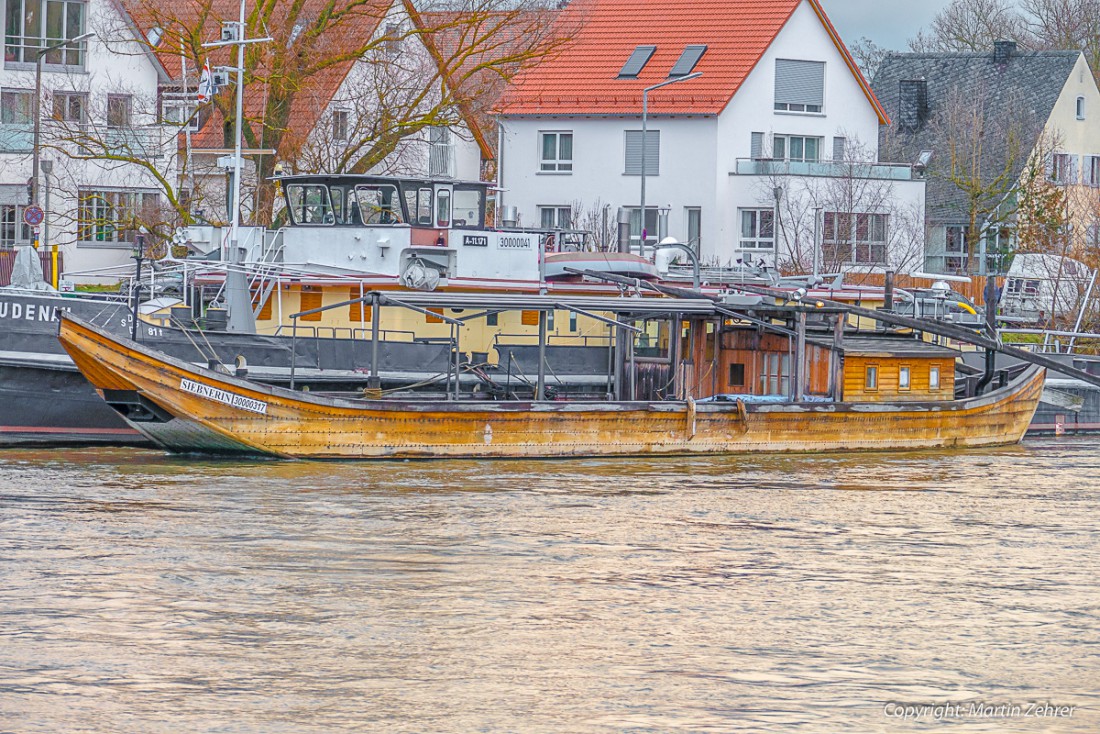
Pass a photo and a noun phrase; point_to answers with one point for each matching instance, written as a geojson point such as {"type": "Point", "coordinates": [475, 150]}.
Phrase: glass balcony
{"type": "Point", "coordinates": [824, 169]}
{"type": "Point", "coordinates": [16, 138]}
{"type": "Point", "coordinates": [141, 142]}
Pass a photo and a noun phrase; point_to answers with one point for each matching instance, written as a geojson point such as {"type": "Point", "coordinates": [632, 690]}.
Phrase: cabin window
{"type": "Point", "coordinates": [443, 208]}
{"type": "Point", "coordinates": [870, 380]}
{"type": "Point", "coordinates": [572, 320]}
{"type": "Point", "coordinates": [737, 375]}
{"type": "Point", "coordinates": [492, 319]}
{"type": "Point", "coordinates": [467, 208]}
{"type": "Point", "coordinates": [550, 320]}
{"type": "Point", "coordinates": [377, 204]}
{"type": "Point", "coordinates": [775, 374]}
{"type": "Point", "coordinates": [309, 300]}
{"type": "Point", "coordinates": [934, 377]}
{"type": "Point", "coordinates": [903, 377]}
{"type": "Point", "coordinates": [309, 204]}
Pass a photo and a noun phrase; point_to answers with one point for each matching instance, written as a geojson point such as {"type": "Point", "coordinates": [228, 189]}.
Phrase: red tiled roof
{"type": "Point", "coordinates": [583, 78]}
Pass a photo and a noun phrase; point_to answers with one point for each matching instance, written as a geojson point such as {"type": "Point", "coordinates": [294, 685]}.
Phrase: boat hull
{"type": "Point", "coordinates": [185, 408]}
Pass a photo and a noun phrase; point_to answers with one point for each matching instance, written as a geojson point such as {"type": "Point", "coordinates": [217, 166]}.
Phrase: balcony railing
{"type": "Point", "coordinates": [824, 169]}
{"type": "Point", "coordinates": [141, 142]}
{"type": "Point", "coordinates": [16, 138]}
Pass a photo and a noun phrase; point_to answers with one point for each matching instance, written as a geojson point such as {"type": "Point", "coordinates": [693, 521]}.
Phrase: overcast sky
{"type": "Point", "coordinates": [889, 23]}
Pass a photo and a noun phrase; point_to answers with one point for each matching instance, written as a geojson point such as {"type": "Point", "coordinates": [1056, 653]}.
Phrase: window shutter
{"type": "Point", "coordinates": [839, 146]}
{"type": "Point", "coordinates": [757, 150]}
{"type": "Point", "coordinates": [799, 82]}
{"type": "Point", "coordinates": [634, 152]}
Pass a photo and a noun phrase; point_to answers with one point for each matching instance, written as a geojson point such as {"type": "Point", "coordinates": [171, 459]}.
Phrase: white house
{"type": "Point", "coordinates": [766, 155]}
{"type": "Point", "coordinates": [98, 99]}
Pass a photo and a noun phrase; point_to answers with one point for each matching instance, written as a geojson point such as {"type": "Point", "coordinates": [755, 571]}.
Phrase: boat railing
{"type": "Point", "coordinates": [586, 340]}
{"type": "Point", "coordinates": [347, 332]}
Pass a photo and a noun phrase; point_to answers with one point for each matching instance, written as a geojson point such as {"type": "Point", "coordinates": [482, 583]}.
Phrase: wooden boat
{"type": "Point", "coordinates": [190, 409]}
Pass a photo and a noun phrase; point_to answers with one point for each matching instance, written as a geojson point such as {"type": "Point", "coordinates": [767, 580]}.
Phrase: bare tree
{"type": "Point", "coordinates": [599, 219]}
{"type": "Point", "coordinates": [868, 55]}
{"type": "Point", "coordinates": [970, 25]}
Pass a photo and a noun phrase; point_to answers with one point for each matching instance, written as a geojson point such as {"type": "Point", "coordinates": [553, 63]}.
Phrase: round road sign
{"type": "Point", "coordinates": [33, 215]}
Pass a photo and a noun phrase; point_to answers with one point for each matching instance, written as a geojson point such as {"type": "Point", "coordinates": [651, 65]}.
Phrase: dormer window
{"type": "Point", "coordinates": [637, 61]}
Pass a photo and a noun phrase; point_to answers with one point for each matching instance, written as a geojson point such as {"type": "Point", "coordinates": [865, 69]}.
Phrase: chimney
{"type": "Point", "coordinates": [1003, 51]}
{"type": "Point", "coordinates": [913, 104]}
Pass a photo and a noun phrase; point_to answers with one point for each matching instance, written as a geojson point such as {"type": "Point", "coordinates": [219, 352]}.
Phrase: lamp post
{"type": "Point", "coordinates": [38, 56]}
{"type": "Point", "coordinates": [645, 119]}
{"type": "Point", "coordinates": [135, 292]}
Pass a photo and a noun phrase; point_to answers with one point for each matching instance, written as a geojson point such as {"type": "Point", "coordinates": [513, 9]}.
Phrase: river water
{"type": "Point", "coordinates": [141, 592]}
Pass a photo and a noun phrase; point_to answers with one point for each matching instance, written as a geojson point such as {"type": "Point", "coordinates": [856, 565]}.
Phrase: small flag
{"type": "Point", "coordinates": [206, 84]}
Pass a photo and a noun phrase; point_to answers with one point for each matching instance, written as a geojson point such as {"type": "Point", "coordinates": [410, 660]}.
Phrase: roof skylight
{"type": "Point", "coordinates": [688, 59]}
{"type": "Point", "coordinates": [636, 62]}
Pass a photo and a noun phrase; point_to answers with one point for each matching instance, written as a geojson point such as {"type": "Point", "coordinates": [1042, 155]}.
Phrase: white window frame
{"type": "Point", "coordinates": [341, 125]}
{"type": "Point", "coordinates": [756, 240]}
{"type": "Point", "coordinates": [558, 164]}
{"type": "Point", "coordinates": [1063, 168]}
{"type": "Point", "coordinates": [905, 377]}
{"type": "Point", "coordinates": [557, 213]}
{"type": "Point", "coordinates": [860, 248]}
{"type": "Point", "coordinates": [13, 230]}
{"type": "Point", "coordinates": [694, 239]}
{"type": "Point", "coordinates": [110, 231]}
{"type": "Point", "coordinates": [933, 377]}
{"type": "Point", "coordinates": [127, 100]}
{"type": "Point", "coordinates": [27, 45]}
{"type": "Point", "coordinates": [1080, 108]}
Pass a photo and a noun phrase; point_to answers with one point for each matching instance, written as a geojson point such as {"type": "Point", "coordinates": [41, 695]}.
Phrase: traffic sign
{"type": "Point", "coordinates": [33, 215]}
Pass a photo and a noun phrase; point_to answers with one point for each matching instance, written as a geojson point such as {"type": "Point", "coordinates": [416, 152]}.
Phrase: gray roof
{"type": "Point", "coordinates": [1023, 90]}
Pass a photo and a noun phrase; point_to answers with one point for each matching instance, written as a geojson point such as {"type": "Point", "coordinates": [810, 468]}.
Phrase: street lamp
{"type": "Point", "coordinates": [135, 292]}
{"type": "Point", "coordinates": [645, 117]}
{"type": "Point", "coordinates": [38, 56]}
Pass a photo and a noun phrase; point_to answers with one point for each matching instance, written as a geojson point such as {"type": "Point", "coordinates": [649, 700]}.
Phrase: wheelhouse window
{"type": "Point", "coordinates": [757, 229]}
{"type": "Point", "coordinates": [468, 207]}
{"type": "Point", "coordinates": [443, 208]}
{"type": "Point", "coordinates": [309, 204]}
{"type": "Point", "coordinates": [557, 152]}
{"type": "Point", "coordinates": [33, 24]}
{"type": "Point", "coordinates": [377, 204]}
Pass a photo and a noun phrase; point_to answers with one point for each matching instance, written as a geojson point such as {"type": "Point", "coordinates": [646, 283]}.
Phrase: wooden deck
{"type": "Point", "coordinates": [193, 409]}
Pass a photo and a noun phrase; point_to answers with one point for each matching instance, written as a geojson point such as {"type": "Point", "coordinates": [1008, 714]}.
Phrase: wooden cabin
{"type": "Point", "coordinates": [753, 361]}
{"type": "Point", "coordinates": [893, 369]}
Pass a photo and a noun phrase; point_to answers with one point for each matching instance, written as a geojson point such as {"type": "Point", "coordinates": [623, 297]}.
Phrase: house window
{"type": "Point", "coordinates": [1062, 168]}
{"type": "Point", "coordinates": [957, 246]}
{"type": "Point", "coordinates": [340, 125]}
{"type": "Point", "coordinates": [118, 110]}
{"type": "Point", "coordinates": [440, 151]}
{"type": "Point", "coordinates": [555, 217]}
{"type": "Point", "coordinates": [856, 238]}
{"type": "Point", "coordinates": [870, 378]}
{"type": "Point", "coordinates": [1080, 108]}
{"type": "Point", "coordinates": [903, 378]}
{"type": "Point", "coordinates": [111, 217]}
{"type": "Point", "coordinates": [557, 152]}
{"type": "Point", "coordinates": [694, 217]}
{"type": "Point", "coordinates": [799, 85]}
{"type": "Point", "coordinates": [392, 42]}
{"type": "Point", "coordinates": [634, 152]}
{"type": "Point", "coordinates": [757, 229]}
{"type": "Point", "coordinates": [13, 230]}
{"type": "Point", "coordinates": [16, 107]}
{"type": "Point", "coordinates": [70, 107]}
{"type": "Point", "coordinates": [180, 112]}
{"type": "Point", "coordinates": [1092, 170]}
{"type": "Point", "coordinates": [650, 224]}
{"type": "Point", "coordinates": [934, 377]}
{"type": "Point", "coordinates": [737, 375]}
{"type": "Point", "coordinates": [33, 24]}
{"type": "Point", "coordinates": [796, 148]}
